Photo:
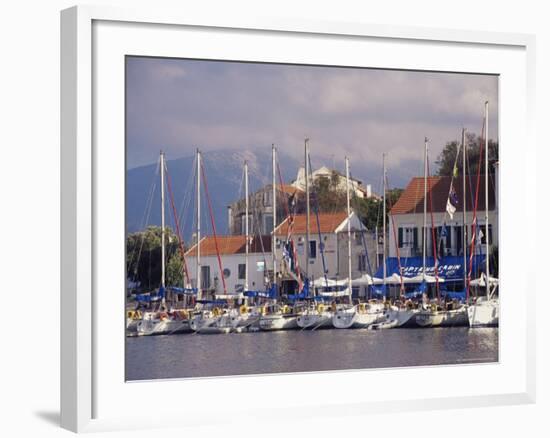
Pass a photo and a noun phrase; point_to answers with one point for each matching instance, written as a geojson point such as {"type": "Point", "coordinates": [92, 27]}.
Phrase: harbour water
{"type": "Point", "coordinates": [189, 355]}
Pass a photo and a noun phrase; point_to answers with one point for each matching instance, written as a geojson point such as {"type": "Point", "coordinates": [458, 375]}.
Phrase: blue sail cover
{"type": "Point", "coordinates": [450, 268]}
{"type": "Point", "coordinates": [302, 295]}
{"type": "Point", "coordinates": [269, 293]}
{"type": "Point", "coordinates": [183, 290]}
{"type": "Point", "coordinates": [379, 291]}
{"type": "Point", "coordinates": [147, 298]}
{"type": "Point", "coordinates": [453, 295]}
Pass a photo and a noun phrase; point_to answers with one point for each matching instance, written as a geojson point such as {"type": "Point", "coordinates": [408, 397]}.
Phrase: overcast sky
{"type": "Point", "coordinates": [178, 105]}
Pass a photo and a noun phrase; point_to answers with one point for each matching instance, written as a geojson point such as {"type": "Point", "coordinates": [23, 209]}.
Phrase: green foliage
{"type": "Point", "coordinates": [331, 199]}
{"type": "Point", "coordinates": [174, 270]}
{"type": "Point", "coordinates": [325, 191]}
{"type": "Point", "coordinates": [143, 257]}
{"type": "Point", "coordinates": [446, 159]}
{"type": "Point", "coordinates": [370, 210]}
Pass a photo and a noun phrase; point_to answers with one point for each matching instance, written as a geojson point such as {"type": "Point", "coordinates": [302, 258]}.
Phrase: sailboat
{"type": "Point", "coordinates": [434, 314]}
{"type": "Point", "coordinates": [399, 313]}
{"type": "Point", "coordinates": [484, 311]}
{"type": "Point", "coordinates": [275, 316]}
{"type": "Point", "coordinates": [363, 314]}
{"type": "Point", "coordinates": [162, 321]}
{"type": "Point", "coordinates": [248, 316]}
{"type": "Point", "coordinates": [219, 319]}
{"type": "Point", "coordinates": [317, 314]}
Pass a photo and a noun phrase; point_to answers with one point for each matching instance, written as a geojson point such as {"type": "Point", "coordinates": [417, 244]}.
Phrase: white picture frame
{"type": "Point", "coordinates": [90, 389]}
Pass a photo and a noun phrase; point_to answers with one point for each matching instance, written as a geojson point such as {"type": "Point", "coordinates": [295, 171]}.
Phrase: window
{"type": "Point", "coordinates": [268, 223]}
{"type": "Point", "coordinates": [483, 237]}
{"type": "Point", "coordinates": [362, 263]}
{"type": "Point", "coordinates": [408, 237]}
{"type": "Point", "coordinates": [443, 235]}
{"type": "Point", "coordinates": [242, 271]}
{"type": "Point", "coordinates": [243, 224]}
{"type": "Point", "coordinates": [312, 249]}
{"type": "Point", "coordinates": [205, 277]}
{"type": "Point", "coordinates": [267, 197]}
{"type": "Point", "coordinates": [358, 237]}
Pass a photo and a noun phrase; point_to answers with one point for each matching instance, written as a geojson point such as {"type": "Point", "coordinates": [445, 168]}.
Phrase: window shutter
{"type": "Point", "coordinates": [415, 238]}
{"type": "Point", "coordinates": [400, 237]}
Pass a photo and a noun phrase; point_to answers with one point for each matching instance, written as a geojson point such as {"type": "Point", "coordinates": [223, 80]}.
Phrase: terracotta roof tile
{"type": "Point", "coordinates": [230, 245]}
{"type": "Point", "coordinates": [288, 189]}
{"type": "Point", "coordinates": [329, 222]}
{"type": "Point", "coordinates": [412, 199]}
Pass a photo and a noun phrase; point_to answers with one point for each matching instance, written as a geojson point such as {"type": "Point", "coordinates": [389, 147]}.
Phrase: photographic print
{"type": "Point", "coordinates": [286, 218]}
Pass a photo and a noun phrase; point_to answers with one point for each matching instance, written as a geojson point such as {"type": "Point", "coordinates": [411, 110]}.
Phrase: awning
{"type": "Point", "coordinates": [449, 268]}
{"type": "Point", "coordinates": [481, 281]}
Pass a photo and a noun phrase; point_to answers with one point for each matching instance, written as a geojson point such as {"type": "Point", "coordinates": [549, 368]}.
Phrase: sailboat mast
{"type": "Point", "coordinates": [198, 202]}
{"type": "Point", "coordinates": [274, 201]}
{"type": "Point", "coordinates": [464, 229]}
{"type": "Point", "coordinates": [384, 221]}
{"type": "Point", "coordinates": [349, 228]}
{"type": "Point", "coordinates": [246, 231]}
{"type": "Point", "coordinates": [424, 233]}
{"type": "Point", "coordinates": [487, 196]}
{"type": "Point", "coordinates": [162, 227]}
{"type": "Point", "coordinates": [306, 154]}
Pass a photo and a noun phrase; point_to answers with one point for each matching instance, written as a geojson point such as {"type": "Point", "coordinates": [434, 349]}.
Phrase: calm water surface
{"type": "Point", "coordinates": [189, 355]}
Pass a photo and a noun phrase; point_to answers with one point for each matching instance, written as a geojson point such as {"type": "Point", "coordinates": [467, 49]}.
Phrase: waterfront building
{"type": "Point", "coordinates": [330, 233]}
{"type": "Point", "coordinates": [232, 254]}
{"type": "Point", "coordinates": [407, 217]}
{"type": "Point", "coordinates": [260, 217]}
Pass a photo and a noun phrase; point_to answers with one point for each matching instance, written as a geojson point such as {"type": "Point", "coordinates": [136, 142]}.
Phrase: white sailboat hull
{"type": "Point", "coordinates": [442, 318]}
{"type": "Point", "coordinates": [151, 327]}
{"type": "Point", "coordinates": [484, 314]}
{"type": "Point", "coordinates": [215, 324]}
{"type": "Point", "coordinates": [403, 317]}
{"type": "Point", "coordinates": [278, 322]}
{"type": "Point", "coordinates": [353, 318]}
{"type": "Point", "coordinates": [315, 320]}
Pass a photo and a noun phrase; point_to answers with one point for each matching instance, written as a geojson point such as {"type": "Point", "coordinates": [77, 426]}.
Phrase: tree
{"type": "Point", "coordinates": [370, 210]}
{"type": "Point", "coordinates": [446, 159]}
{"type": "Point", "coordinates": [174, 270]}
{"type": "Point", "coordinates": [143, 256]}
{"type": "Point", "coordinates": [327, 195]}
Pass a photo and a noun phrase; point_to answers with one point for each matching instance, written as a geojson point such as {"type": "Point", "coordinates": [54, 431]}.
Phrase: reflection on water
{"type": "Point", "coordinates": [190, 355]}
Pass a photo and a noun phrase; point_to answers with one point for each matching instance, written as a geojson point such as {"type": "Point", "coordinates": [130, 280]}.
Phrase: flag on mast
{"type": "Point", "coordinates": [452, 202]}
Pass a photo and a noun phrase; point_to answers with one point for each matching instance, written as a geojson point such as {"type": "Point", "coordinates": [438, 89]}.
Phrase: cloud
{"type": "Point", "coordinates": [178, 105]}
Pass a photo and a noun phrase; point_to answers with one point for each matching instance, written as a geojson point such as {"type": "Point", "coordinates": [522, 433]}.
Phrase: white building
{"type": "Point", "coordinates": [332, 234]}
{"type": "Point", "coordinates": [324, 172]}
{"type": "Point", "coordinates": [232, 255]}
{"type": "Point", "coordinates": [408, 216]}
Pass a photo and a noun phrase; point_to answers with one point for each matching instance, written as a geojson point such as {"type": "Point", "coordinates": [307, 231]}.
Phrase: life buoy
{"type": "Point", "coordinates": [243, 309]}
{"type": "Point", "coordinates": [320, 308]}
{"type": "Point", "coordinates": [216, 311]}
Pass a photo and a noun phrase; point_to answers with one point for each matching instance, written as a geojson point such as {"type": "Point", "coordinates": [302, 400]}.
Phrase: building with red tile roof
{"type": "Point", "coordinates": [407, 216]}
